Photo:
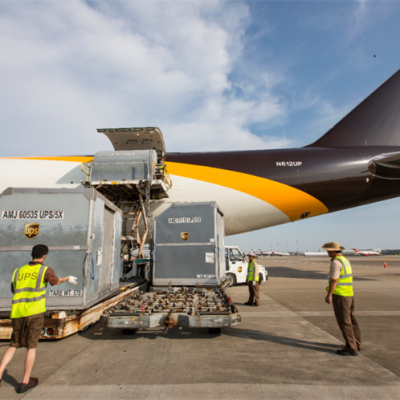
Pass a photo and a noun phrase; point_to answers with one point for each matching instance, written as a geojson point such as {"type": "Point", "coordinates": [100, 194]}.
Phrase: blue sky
{"type": "Point", "coordinates": [213, 75]}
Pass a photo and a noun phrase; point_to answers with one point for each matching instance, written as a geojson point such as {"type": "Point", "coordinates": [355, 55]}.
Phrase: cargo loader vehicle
{"type": "Point", "coordinates": [187, 275]}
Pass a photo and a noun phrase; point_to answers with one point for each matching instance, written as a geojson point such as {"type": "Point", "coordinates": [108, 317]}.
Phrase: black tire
{"type": "Point", "coordinates": [260, 278]}
{"type": "Point", "coordinates": [232, 279]}
{"type": "Point", "coordinates": [128, 331]}
{"type": "Point", "coordinates": [214, 331]}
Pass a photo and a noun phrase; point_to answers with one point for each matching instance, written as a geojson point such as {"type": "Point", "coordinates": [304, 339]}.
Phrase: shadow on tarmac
{"type": "Point", "coordinates": [283, 340]}
{"type": "Point", "coordinates": [287, 272]}
{"type": "Point", "coordinates": [10, 380]}
{"type": "Point", "coordinates": [198, 333]}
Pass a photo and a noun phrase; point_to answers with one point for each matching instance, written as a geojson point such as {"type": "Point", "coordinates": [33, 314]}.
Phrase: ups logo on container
{"type": "Point", "coordinates": [185, 236]}
{"type": "Point", "coordinates": [31, 230]}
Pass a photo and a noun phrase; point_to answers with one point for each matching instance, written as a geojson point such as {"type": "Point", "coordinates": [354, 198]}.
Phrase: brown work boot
{"type": "Point", "coordinates": [345, 352]}
{"type": "Point", "coordinates": [24, 387]}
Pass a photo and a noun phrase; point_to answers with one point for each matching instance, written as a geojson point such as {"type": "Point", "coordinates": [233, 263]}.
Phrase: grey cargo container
{"type": "Point", "coordinates": [83, 231]}
{"type": "Point", "coordinates": [189, 245]}
{"type": "Point", "coordinates": [135, 165]}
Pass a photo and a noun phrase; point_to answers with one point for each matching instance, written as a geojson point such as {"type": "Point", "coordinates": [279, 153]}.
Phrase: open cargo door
{"type": "Point", "coordinates": [136, 139]}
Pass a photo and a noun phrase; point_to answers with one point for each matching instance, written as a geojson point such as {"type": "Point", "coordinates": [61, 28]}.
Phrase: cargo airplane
{"type": "Point", "coordinates": [357, 162]}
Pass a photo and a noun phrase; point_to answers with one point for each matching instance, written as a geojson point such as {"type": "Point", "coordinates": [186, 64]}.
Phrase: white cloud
{"type": "Point", "coordinates": [68, 68]}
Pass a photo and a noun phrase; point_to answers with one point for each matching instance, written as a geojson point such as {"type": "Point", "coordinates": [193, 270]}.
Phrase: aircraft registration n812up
{"type": "Point", "coordinates": [357, 162]}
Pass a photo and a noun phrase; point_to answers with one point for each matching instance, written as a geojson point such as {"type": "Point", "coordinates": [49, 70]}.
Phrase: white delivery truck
{"type": "Point", "coordinates": [236, 266]}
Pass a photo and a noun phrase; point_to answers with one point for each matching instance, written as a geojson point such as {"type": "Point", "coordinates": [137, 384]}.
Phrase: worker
{"type": "Point", "coordinates": [27, 310]}
{"type": "Point", "coordinates": [253, 281]}
{"type": "Point", "coordinates": [340, 293]}
{"type": "Point", "coordinates": [160, 168]}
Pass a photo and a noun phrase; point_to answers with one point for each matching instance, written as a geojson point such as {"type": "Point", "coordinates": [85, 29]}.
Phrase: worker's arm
{"type": "Point", "coordinates": [54, 280]}
{"type": "Point", "coordinates": [61, 280]}
{"type": "Point", "coordinates": [332, 286]}
{"type": "Point", "coordinates": [73, 280]}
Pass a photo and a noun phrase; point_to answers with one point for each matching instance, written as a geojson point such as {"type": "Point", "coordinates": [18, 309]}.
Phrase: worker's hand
{"type": "Point", "coordinates": [254, 283]}
{"type": "Point", "coordinates": [328, 299]}
{"type": "Point", "coordinates": [73, 280]}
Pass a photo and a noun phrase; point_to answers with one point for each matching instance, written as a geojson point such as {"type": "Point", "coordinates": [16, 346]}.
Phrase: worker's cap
{"type": "Point", "coordinates": [332, 246]}
{"type": "Point", "coordinates": [252, 254]}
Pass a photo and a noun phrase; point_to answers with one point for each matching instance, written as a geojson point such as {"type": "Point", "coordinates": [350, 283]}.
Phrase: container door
{"type": "Point", "coordinates": [221, 244]}
{"type": "Point", "coordinates": [108, 250]}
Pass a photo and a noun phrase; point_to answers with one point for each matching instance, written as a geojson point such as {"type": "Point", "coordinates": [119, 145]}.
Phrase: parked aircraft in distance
{"type": "Point", "coordinates": [261, 253]}
{"type": "Point", "coordinates": [325, 253]}
{"type": "Point", "coordinates": [374, 252]}
{"type": "Point", "coordinates": [357, 162]}
{"type": "Point", "coordinates": [274, 253]}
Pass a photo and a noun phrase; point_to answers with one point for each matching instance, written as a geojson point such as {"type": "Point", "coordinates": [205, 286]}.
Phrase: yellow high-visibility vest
{"type": "Point", "coordinates": [29, 291]}
{"type": "Point", "coordinates": [250, 272]}
{"type": "Point", "coordinates": [344, 286]}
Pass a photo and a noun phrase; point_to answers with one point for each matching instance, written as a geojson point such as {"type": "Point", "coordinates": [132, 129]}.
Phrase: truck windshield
{"type": "Point", "coordinates": [235, 255]}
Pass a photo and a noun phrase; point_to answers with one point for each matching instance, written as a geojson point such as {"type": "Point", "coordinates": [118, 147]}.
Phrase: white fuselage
{"type": "Point", "coordinates": [242, 211]}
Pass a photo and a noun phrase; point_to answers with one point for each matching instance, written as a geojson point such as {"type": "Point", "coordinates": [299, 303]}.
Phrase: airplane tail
{"type": "Point", "coordinates": [374, 122]}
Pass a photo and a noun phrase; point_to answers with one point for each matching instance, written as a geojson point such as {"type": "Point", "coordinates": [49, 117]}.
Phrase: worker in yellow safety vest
{"type": "Point", "coordinates": [340, 293]}
{"type": "Point", "coordinates": [253, 281]}
{"type": "Point", "coordinates": [28, 286]}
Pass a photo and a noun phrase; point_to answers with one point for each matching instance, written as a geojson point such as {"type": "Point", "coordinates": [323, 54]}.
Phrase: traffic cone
{"type": "Point", "coordinates": [384, 265]}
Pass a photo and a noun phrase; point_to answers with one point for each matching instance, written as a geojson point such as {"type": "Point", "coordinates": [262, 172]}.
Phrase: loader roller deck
{"type": "Point", "coordinates": [186, 307]}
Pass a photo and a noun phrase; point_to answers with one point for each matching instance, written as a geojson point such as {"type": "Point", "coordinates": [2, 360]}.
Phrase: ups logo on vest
{"type": "Point", "coordinates": [31, 230]}
{"type": "Point", "coordinates": [26, 276]}
{"type": "Point", "coordinates": [185, 236]}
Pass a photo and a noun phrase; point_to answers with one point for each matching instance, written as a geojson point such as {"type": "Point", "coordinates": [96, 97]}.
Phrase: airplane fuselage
{"type": "Point", "coordinates": [254, 189]}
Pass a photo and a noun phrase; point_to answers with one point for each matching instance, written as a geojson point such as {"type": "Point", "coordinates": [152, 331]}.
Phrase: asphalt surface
{"type": "Point", "coordinates": [285, 349]}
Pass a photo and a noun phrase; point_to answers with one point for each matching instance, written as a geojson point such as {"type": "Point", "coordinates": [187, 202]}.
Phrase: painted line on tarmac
{"type": "Point", "coordinates": [221, 391]}
{"type": "Point", "coordinates": [258, 314]}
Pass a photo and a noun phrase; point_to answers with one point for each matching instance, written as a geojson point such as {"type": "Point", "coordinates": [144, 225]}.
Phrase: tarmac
{"type": "Point", "coordinates": [284, 349]}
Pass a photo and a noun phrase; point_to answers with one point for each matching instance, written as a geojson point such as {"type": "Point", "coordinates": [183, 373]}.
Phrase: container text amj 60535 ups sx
{"type": "Point", "coordinates": [189, 245]}
{"type": "Point", "coordinates": [83, 232]}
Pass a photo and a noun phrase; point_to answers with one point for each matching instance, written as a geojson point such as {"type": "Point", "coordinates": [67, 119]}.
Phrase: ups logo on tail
{"type": "Point", "coordinates": [31, 230]}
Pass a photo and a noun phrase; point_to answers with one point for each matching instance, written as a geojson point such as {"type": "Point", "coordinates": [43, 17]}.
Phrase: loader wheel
{"type": "Point", "coordinates": [214, 331]}
{"type": "Point", "coordinates": [231, 279]}
{"type": "Point", "coordinates": [128, 331]}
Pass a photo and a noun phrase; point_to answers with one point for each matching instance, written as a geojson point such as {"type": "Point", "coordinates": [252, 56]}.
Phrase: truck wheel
{"type": "Point", "coordinates": [215, 331]}
{"type": "Point", "coordinates": [128, 331]}
{"type": "Point", "coordinates": [260, 279]}
{"type": "Point", "coordinates": [232, 279]}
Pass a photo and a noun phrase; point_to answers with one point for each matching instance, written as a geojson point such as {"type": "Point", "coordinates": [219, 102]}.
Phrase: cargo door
{"type": "Point", "coordinates": [108, 250]}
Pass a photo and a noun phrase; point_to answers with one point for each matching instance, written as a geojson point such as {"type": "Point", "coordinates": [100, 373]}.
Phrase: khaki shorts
{"type": "Point", "coordinates": [26, 331]}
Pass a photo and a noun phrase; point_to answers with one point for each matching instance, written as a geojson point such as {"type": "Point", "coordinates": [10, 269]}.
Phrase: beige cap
{"type": "Point", "coordinates": [253, 254]}
{"type": "Point", "coordinates": [332, 246]}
